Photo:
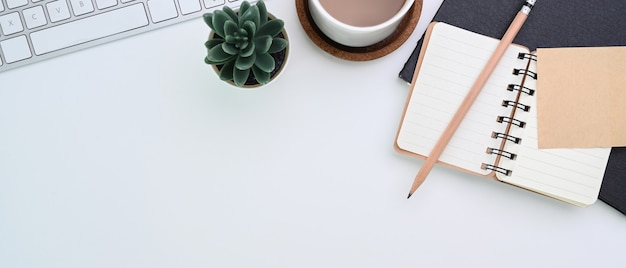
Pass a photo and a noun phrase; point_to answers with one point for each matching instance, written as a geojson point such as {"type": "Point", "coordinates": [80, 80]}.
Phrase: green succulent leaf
{"type": "Point", "coordinates": [244, 45]}
{"type": "Point", "coordinates": [250, 28]}
{"type": "Point", "coordinates": [244, 33]}
{"type": "Point", "coordinates": [240, 76]}
{"type": "Point", "coordinates": [260, 75]}
{"type": "Point", "coordinates": [278, 44]}
{"type": "Point", "coordinates": [219, 19]}
{"type": "Point", "coordinates": [262, 43]}
{"type": "Point", "coordinates": [230, 28]}
{"type": "Point", "coordinates": [243, 63]}
{"type": "Point", "coordinates": [230, 39]}
{"type": "Point", "coordinates": [213, 42]}
{"type": "Point", "coordinates": [248, 50]}
{"type": "Point", "coordinates": [244, 7]}
{"type": "Point", "coordinates": [217, 54]}
{"type": "Point", "coordinates": [230, 49]}
{"type": "Point", "coordinates": [212, 62]}
{"type": "Point", "coordinates": [232, 14]}
{"type": "Point", "coordinates": [262, 12]}
{"type": "Point", "coordinates": [208, 19]}
{"type": "Point", "coordinates": [265, 62]}
{"type": "Point", "coordinates": [226, 73]}
{"type": "Point", "coordinates": [252, 14]}
{"type": "Point", "coordinates": [207, 61]}
{"type": "Point", "coordinates": [271, 28]}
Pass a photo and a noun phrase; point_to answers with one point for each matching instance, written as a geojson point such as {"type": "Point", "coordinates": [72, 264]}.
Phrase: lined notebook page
{"type": "Point", "coordinates": [572, 175]}
{"type": "Point", "coordinates": [452, 62]}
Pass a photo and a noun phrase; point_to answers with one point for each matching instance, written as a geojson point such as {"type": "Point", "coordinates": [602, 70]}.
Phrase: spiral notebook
{"type": "Point", "coordinates": [554, 23]}
{"type": "Point", "coordinates": [498, 136]}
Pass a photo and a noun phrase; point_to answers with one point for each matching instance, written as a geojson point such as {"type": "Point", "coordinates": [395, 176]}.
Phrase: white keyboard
{"type": "Point", "coordinates": [34, 30]}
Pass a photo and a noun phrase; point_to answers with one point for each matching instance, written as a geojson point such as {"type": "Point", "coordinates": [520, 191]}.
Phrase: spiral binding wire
{"type": "Point", "coordinates": [503, 153]}
{"type": "Point", "coordinates": [500, 135]}
{"type": "Point", "coordinates": [527, 56]}
{"type": "Point", "coordinates": [511, 120]}
{"type": "Point", "coordinates": [525, 72]}
{"type": "Point", "coordinates": [523, 107]}
{"type": "Point", "coordinates": [498, 169]}
{"type": "Point", "coordinates": [526, 90]}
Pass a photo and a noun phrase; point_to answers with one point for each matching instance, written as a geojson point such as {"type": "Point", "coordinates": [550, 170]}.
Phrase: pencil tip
{"type": "Point", "coordinates": [409, 196]}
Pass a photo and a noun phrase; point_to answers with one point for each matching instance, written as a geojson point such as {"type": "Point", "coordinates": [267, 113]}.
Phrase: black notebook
{"type": "Point", "coordinates": [553, 23]}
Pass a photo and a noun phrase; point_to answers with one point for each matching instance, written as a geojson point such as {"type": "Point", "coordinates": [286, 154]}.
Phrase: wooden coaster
{"type": "Point", "coordinates": [382, 48]}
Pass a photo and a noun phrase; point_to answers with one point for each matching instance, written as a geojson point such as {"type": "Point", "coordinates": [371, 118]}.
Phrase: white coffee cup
{"type": "Point", "coordinates": [351, 35]}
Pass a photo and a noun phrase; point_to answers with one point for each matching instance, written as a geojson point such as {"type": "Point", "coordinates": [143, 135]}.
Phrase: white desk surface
{"type": "Point", "coordinates": [134, 154]}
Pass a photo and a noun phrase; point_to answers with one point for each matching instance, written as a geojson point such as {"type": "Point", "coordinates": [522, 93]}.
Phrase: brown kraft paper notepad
{"type": "Point", "coordinates": [581, 97]}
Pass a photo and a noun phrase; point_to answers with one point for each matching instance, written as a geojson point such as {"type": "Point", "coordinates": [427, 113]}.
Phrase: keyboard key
{"type": "Point", "coordinates": [81, 7]}
{"type": "Point", "coordinates": [88, 29]}
{"type": "Point", "coordinates": [189, 6]}
{"type": "Point", "coordinates": [16, 3]}
{"type": "Point", "coordinates": [161, 10]}
{"type": "Point", "coordinates": [102, 4]}
{"type": "Point", "coordinates": [34, 17]}
{"type": "Point", "coordinates": [58, 10]}
{"type": "Point", "coordinates": [15, 49]}
{"type": "Point", "coordinates": [11, 23]}
{"type": "Point", "coordinates": [213, 3]}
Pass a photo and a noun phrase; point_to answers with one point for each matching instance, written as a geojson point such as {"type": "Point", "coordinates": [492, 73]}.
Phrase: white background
{"type": "Point", "coordinates": [134, 154]}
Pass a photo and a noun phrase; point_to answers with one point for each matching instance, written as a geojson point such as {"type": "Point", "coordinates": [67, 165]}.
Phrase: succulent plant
{"type": "Point", "coordinates": [243, 42]}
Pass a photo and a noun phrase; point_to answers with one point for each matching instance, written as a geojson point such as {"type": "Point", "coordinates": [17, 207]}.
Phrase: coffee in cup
{"type": "Point", "coordinates": [358, 23]}
{"type": "Point", "coordinates": [367, 12]}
